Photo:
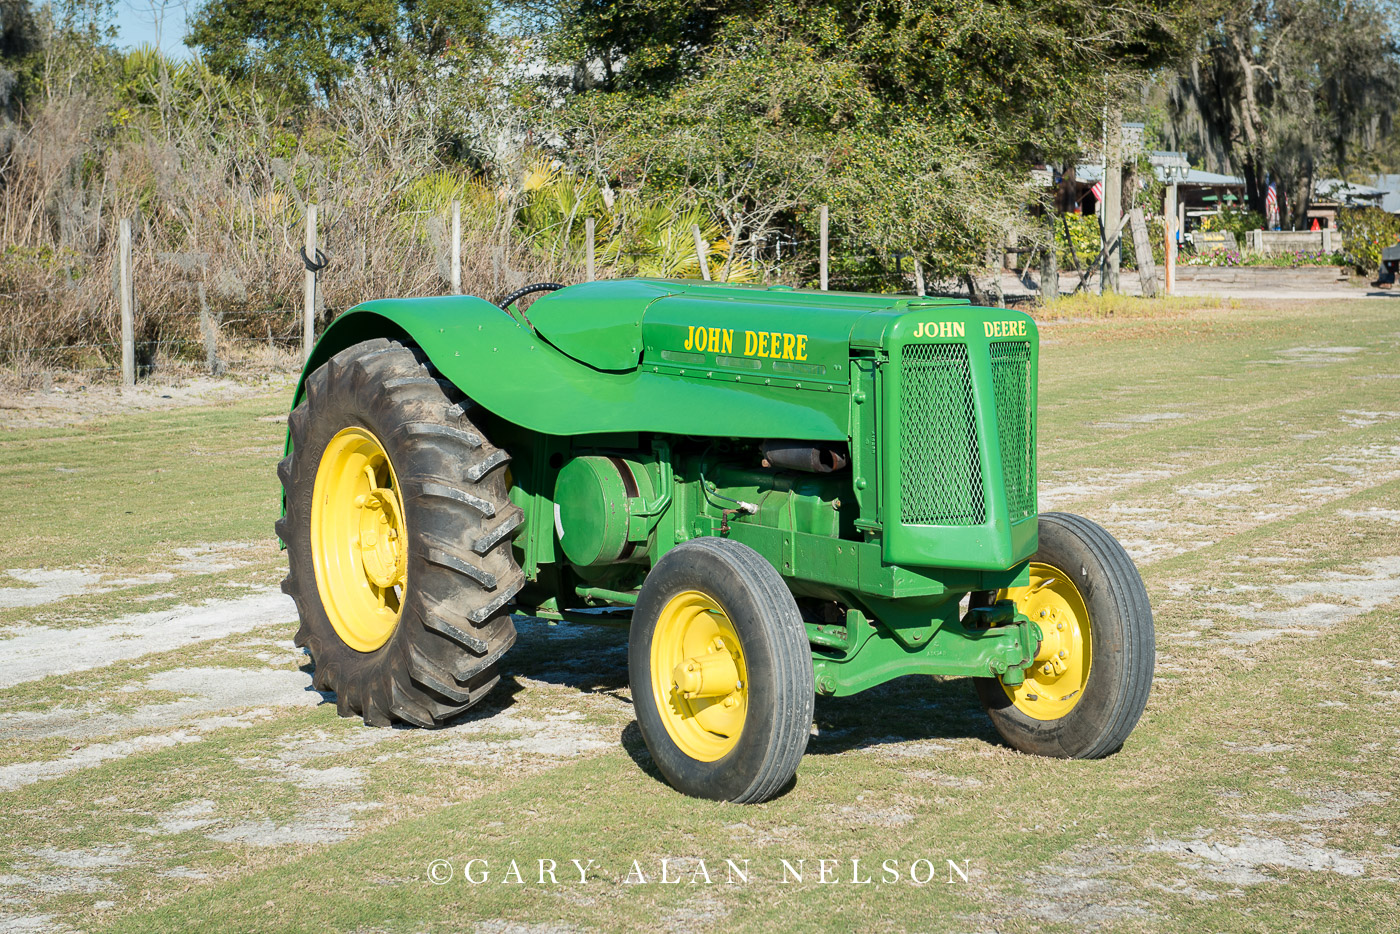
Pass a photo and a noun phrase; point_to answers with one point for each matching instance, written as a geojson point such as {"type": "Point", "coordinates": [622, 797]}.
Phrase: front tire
{"type": "Point", "coordinates": [721, 672]}
{"type": "Point", "coordinates": [1091, 678]}
{"type": "Point", "coordinates": [398, 530]}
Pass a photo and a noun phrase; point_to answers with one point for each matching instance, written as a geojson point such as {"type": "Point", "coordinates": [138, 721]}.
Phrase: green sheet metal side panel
{"type": "Point", "coordinates": [599, 323]}
{"type": "Point", "coordinates": [773, 342]}
{"type": "Point", "coordinates": [517, 376]}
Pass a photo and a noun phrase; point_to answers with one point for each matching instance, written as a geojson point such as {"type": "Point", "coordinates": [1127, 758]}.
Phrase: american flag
{"type": "Point", "coordinates": [1097, 191]}
{"type": "Point", "coordinates": [1271, 201]}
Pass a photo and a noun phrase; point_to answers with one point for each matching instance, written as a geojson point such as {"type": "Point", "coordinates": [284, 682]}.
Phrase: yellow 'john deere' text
{"type": "Point", "coordinates": [1004, 328]}
{"type": "Point", "coordinates": [940, 329]}
{"type": "Point", "coordinates": [714, 340]}
{"type": "Point", "coordinates": [776, 345]}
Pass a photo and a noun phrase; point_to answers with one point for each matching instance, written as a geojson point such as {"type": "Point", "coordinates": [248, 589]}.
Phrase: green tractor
{"type": "Point", "coordinates": [792, 492]}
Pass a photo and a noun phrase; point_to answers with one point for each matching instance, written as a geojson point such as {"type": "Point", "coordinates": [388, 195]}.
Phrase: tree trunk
{"type": "Point", "coordinates": [1300, 193]}
{"type": "Point", "coordinates": [1253, 195]}
{"type": "Point", "coordinates": [974, 295]}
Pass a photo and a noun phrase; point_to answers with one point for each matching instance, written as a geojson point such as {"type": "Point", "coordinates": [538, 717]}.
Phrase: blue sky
{"type": "Point", "coordinates": [142, 22]}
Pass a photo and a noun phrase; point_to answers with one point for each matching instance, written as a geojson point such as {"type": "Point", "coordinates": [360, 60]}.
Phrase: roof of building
{"type": "Point", "coordinates": [1390, 185]}
{"type": "Point", "coordinates": [1335, 189]}
{"type": "Point", "coordinates": [1094, 173]}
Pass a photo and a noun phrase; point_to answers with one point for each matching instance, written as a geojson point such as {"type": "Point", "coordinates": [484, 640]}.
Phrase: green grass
{"type": "Point", "coordinates": [116, 493]}
{"type": "Point", "coordinates": [1256, 480]}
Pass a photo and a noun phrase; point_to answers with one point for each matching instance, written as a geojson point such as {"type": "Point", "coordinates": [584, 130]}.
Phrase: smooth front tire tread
{"type": "Point", "coordinates": [1095, 717]}
{"type": "Point", "coordinates": [717, 606]}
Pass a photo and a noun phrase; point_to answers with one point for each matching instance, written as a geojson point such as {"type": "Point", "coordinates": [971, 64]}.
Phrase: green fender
{"type": "Point", "coordinates": [502, 366]}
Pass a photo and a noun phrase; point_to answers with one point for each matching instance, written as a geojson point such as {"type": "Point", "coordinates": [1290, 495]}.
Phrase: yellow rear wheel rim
{"type": "Point", "coordinates": [698, 675]}
{"type": "Point", "coordinates": [1056, 681]}
{"type": "Point", "coordinates": [359, 543]}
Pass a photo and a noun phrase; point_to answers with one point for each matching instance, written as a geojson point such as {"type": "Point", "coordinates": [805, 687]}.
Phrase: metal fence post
{"type": "Point", "coordinates": [1169, 274]}
{"type": "Point", "coordinates": [125, 285]}
{"type": "Point", "coordinates": [308, 287]}
{"type": "Point", "coordinates": [825, 227]}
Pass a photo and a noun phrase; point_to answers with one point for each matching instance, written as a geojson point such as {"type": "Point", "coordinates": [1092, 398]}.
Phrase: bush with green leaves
{"type": "Point", "coordinates": [1084, 231]}
{"type": "Point", "coordinates": [1365, 233]}
{"type": "Point", "coordinates": [1231, 220]}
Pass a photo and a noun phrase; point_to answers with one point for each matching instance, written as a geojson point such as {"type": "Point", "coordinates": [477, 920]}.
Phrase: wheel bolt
{"type": "Point", "coordinates": [1048, 669]}
{"type": "Point", "coordinates": [1064, 654]}
{"type": "Point", "coordinates": [1060, 626]}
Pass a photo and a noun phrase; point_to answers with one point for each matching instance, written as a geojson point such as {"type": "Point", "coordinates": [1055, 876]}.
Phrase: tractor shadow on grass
{"type": "Point", "coordinates": [593, 660]}
{"type": "Point", "coordinates": [586, 658]}
{"type": "Point", "coordinates": [308, 668]}
{"type": "Point", "coordinates": [906, 710]}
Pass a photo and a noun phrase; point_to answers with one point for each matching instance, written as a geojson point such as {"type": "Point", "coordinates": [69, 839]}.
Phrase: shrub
{"type": "Point", "coordinates": [1084, 229]}
{"type": "Point", "coordinates": [1289, 260]}
{"type": "Point", "coordinates": [1365, 232]}
{"type": "Point", "coordinates": [1233, 221]}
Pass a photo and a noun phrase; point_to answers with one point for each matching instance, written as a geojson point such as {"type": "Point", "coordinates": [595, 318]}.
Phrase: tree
{"type": "Point", "coordinates": [915, 119]}
{"type": "Point", "coordinates": [19, 40]}
{"type": "Point", "coordinates": [314, 45]}
{"type": "Point", "coordinates": [1287, 89]}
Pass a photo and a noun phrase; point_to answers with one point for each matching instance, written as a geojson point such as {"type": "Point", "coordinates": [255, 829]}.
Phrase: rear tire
{"type": "Point", "coordinates": [1084, 712]}
{"type": "Point", "coordinates": [720, 605]}
{"type": "Point", "coordinates": [452, 539]}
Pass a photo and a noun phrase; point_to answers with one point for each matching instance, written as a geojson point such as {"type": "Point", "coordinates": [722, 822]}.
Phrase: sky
{"type": "Point", "coordinates": [154, 22]}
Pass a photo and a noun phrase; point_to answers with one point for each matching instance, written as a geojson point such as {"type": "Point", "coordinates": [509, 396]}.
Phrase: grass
{"type": "Point", "coordinates": [1112, 304]}
{"type": "Point", "coordinates": [1250, 457]}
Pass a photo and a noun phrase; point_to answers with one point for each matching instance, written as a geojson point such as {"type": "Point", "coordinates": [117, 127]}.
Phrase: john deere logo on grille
{"type": "Point", "coordinates": [1004, 328]}
{"type": "Point", "coordinates": [940, 329]}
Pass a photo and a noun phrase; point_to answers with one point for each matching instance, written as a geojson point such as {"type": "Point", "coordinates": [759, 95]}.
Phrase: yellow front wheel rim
{"type": "Point", "coordinates": [698, 675]}
{"type": "Point", "coordinates": [1056, 681]}
{"type": "Point", "coordinates": [359, 542]}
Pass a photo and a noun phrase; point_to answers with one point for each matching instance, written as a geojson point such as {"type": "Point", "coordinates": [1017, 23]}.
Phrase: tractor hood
{"type": "Point", "coordinates": [775, 331]}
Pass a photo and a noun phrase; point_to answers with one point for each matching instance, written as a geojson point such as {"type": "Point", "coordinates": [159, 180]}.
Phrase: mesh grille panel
{"type": "Point", "coordinates": [1011, 384]}
{"type": "Point", "coordinates": [941, 465]}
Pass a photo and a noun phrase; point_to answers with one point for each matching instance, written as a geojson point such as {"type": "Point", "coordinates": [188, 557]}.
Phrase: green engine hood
{"type": "Point", "coordinates": [618, 325]}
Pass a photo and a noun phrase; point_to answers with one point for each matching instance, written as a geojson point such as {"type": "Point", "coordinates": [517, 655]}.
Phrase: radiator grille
{"type": "Point", "coordinates": [942, 475]}
{"type": "Point", "coordinates": [1011, 384]}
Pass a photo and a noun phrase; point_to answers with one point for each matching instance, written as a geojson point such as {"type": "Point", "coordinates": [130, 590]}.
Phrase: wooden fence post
{"type": "Point", "coordinates": [588, 247]}
{"type": "Point", "coordinates": [308, 287]}
{"type": "Point", "coordinates": [126, 286]}
{"type": "Point", "coordinates": [701, 248]}
{"type": "Point", "coordinates": [825, 228]}
{"type": "Point", "coordinates": [456, 247]}
{"type": "Point", "coordinates": [1142, 250]}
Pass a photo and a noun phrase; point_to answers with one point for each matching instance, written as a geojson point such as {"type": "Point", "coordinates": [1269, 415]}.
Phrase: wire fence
{"type": "Point", "coordinates": [131, 315]}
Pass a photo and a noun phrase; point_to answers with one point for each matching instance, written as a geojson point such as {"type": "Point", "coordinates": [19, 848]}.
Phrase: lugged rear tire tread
{"type": "Point", "coordinates": [425, 674]}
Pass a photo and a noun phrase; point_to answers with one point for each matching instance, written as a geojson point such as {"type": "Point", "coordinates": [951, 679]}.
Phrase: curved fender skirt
{"type": "Point", "coordinates": [515, 375]}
